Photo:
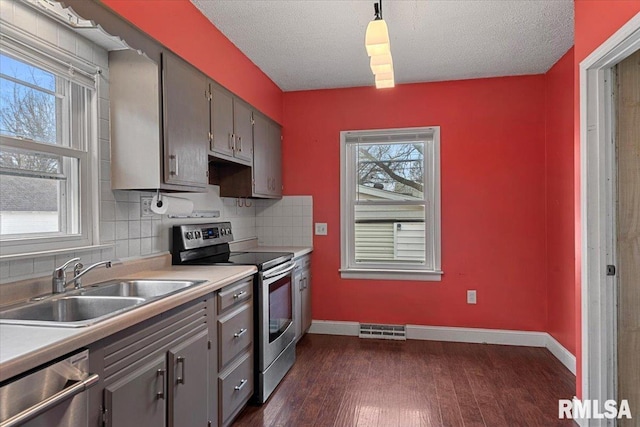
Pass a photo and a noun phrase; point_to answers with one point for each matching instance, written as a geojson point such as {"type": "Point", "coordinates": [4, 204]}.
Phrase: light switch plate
{"type": "Point", "coordinates": [321, 228]}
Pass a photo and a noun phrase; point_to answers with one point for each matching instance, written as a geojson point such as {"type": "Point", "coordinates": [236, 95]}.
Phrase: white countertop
{"type": "Point", "coordinates": [25, 347]}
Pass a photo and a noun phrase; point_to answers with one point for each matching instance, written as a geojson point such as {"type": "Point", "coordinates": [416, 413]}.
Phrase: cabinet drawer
{"type": "Point", "coordinates": [234, 294]}
{"type": "Point", "coordinates": [235, 388]}
{"type": "Point", "coordinates": [235, 333]}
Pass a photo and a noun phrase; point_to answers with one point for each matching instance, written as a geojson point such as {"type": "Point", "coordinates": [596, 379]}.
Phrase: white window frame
{"type": "Point", "coordinates": [431, 271]}
{"type": "Point", "coordinates": [46, 56]}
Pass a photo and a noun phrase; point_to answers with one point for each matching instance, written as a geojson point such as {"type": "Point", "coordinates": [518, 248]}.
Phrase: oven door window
{"type": "Point", "coordinates": [280, 307]}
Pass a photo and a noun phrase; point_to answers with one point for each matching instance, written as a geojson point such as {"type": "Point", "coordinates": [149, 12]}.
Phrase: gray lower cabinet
{"type": "Point", "coordinates": [160, 372]}
{"type": "Point", "coordinates": [187, 382]}
{"type": "Point", "coordinates": [191, 366]}
{"type": "Point", "coordinates": [171, 389]}
{"type": "Point", "coordinates": [235, 349]}
{"type": "Point", "coordinates": [139, 398]}
{"type": "Point", "coordinates": [302, 295]}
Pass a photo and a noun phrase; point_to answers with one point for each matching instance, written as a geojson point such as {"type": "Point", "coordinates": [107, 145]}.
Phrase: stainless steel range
{"type": "Point", "coordinates": [208, 244]}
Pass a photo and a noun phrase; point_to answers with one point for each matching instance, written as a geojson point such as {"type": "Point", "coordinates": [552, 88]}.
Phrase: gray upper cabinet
{"type": "Point", "coordinates": [243, 130]}
{"type": "Point", "coordinates": [267, 151]}
{"type": "Point", "coordinates": [186, 122]}
{"type": "Point", "coordinates": [221, 122]}
{"type": "Point", "coordinates": [159, 127]}
{"type": "Point", "coordinates": [231, 127]}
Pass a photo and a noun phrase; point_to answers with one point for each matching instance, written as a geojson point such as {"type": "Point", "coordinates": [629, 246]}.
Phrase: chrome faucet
{"type": "Point", "coordinates": [78, 272]}
{"type": "Point", "coordinates": [59, 280]}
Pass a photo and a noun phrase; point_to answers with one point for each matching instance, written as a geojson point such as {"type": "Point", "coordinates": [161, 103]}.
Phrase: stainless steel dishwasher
{"type": "Point", "coordinates": [53, 395]}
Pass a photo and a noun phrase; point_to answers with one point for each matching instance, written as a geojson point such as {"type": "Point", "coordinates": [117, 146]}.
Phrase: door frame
{"type": "Point", "coordinates": [598, 214]}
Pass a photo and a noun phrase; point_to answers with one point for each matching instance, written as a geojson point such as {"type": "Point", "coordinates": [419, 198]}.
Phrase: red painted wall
{"type": "Point", "coordinates": [595, 22]}
{"type": "Point", "coordinates": [180, 26]}
{"type": "Point", "coordinates": [559, 177]}
{"type": "Point", "coordinates": [493, 226]}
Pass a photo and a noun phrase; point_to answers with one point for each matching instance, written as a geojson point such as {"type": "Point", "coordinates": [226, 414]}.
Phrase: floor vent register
{"type": "Point", "coordinates": [384, 332]}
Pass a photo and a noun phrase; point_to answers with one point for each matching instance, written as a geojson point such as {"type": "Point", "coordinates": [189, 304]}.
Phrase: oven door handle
{"type": "Point", "coordinates": [278, 271]}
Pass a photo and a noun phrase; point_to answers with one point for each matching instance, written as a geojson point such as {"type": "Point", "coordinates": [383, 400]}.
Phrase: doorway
{"type": "Point", "coordinates": [599, 228]}
{"type": "Point", "coordinates": [627, 102]}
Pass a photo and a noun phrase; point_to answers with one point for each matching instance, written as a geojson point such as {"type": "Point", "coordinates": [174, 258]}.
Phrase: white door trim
{"type": "Point", "coordinates": [597, 213]}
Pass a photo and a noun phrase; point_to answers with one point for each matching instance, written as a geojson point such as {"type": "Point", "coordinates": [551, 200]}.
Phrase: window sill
{"type": "Point", "coordinates": [370, 274]}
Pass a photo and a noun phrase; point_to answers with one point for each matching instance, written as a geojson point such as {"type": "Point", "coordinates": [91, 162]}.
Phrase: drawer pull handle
{"type": "Point", "coordinates": [160, 394]}
{"type": "Point", "coordinates": [239, 294]}
{"type": "Point", "coordinates": [180, 361]}
{"type": "Point", "coordinates": [239, 387]}
{"type": "Point", "coordinates": [240, 333]}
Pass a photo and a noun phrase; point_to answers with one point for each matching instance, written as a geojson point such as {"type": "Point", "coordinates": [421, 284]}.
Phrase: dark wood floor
{"type": "Point", "coordinates": [347, 381]}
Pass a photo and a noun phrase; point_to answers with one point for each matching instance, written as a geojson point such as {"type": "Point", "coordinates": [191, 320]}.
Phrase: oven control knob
{"type": "Point", "coordinates": [198, 234]}
{"type": "Point", "coordinates": [188, 235]}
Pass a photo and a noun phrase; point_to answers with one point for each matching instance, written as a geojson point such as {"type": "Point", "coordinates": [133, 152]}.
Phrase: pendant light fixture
{"type": "Point", "coordinates": [379, 49]}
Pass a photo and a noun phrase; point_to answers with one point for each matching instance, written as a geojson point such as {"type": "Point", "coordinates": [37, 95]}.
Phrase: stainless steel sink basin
{"type": "Point", "coordinates": [71, 311]}
{"type": "Point", "coordinates": [93, 304]}
{"type": "Point", "coordinates": [141, 288]}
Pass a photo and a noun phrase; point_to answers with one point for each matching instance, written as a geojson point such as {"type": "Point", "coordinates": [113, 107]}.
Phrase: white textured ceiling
{"type": "Point", "coordinates": [317, 44]}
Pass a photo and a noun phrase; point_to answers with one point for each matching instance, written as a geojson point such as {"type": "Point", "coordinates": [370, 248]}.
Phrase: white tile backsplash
{"type": "Point", "coordinates": [285, 222]}
{"type": "Point", "coordinates": [21, 267]}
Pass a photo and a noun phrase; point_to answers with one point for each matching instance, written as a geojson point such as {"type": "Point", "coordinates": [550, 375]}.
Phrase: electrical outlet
{"type": "Point", "coordinates": [321, 228]}
{"type": "Point", "coordinates": [471, 297]}
{"type": "Point", "coordinates": [145, 207]}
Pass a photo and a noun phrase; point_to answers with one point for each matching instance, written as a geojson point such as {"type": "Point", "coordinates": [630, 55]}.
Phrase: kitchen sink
{"type": "Point", "coordinates": [70, 310]}
{"type": "Point", "coordinates": [84, 307]}
{"type": "Point", "coordinates": [140, 288]}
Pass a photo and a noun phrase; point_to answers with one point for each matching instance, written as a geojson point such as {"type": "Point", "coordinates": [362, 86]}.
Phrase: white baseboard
{"type": "Point", "coordinates": [561, 353]}
{"type": "Point", "coordinates": [469, 335]}
{"type": "Point", "coordinates": [476, 335]}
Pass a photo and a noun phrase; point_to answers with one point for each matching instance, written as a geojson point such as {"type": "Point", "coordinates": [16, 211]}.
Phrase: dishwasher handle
{"type": "Point", "coordinates": [50, 402]}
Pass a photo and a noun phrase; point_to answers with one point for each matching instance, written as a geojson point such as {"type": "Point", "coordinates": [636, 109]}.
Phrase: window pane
{"type": "Point", "coordinates": [33, 205]}
{"type": "Point", "coordinates": [16, 161]}
{"type": "Point", "coordinates": [30, 107]}
{"type": "Point", "coordinates": [390, 233]}
{"type": "Point", "coordinates": [390, 171]}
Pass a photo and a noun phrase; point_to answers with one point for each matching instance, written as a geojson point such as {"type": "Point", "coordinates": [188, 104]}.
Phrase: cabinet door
{"type": "Point", "coordinates": [275, 150]}
{"type": "Point", "coordinates": [186, 122]}
{"type": "Point", "coordinates": [262, 135]}
{"type": "Point", "coordinates": [139, 398]}
{"type": "Point", "coordinates": [243, 131]}
{"type": "Point", "coordinates": [306, 300]}
{"type": "Point", "coordinates": [188, 382]}
{"type": "Point", "coordinates": [297, 304]}
{"type": "Point", "coordinates": [221, 121]}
